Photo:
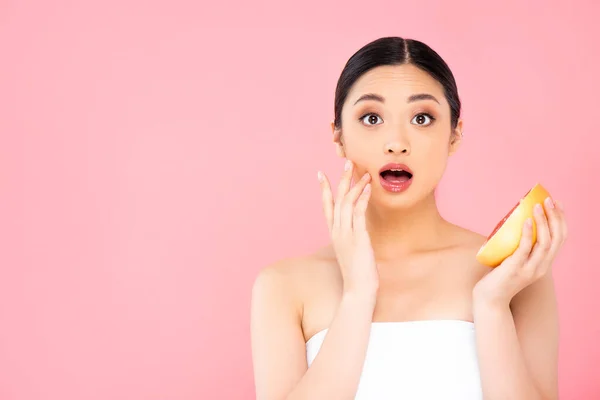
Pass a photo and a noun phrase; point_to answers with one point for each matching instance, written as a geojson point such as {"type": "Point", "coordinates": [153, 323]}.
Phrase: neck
{"type": "Point", "coordinates": [399, 232]}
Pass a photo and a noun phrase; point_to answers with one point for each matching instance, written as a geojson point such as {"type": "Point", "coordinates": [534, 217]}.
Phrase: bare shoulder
{"type": "Point", "coordinates": [302, 290]}
{"type": "Point", "coordinates": [467, 237]}
{"type": "Point", "coordinates": [465, 244]}
{"type": "Point", "coordinates": [466, 241]}
{"type": "Point", "coordinates": [292, 277]}
{"type": "Point", "coordinates": [277, 314]}
{"type": "Point", "coordinates": [294, 271]}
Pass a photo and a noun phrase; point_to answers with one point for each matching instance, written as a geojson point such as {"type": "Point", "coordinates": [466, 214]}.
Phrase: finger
{"type": "Point", "coordinates": [563, 219]}
{"type": "Point", "coordinates": [359, 220]}
{"type": "Point", "coordinates": [348, 204]}
{"type": "Point", "coordinates": [327, 199]}
{"type": "Point", "coordinates": [543, 242]}
{"type": "Point", "coordinates": [521, 254]}
{"type": "Point", "coordinates": [555, 224]}
{"type": "Point", "coordinates": [343, 188]}
{"type": "Point", "coordinates": [553, 219]}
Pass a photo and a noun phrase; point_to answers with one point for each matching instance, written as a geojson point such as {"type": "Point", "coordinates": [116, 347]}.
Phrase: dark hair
{"type": "Point", "coordinates": [396, 51]}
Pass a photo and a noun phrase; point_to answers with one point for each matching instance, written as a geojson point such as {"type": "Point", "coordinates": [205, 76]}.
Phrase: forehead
{"type": "Point", "coordinates": [396, 83]}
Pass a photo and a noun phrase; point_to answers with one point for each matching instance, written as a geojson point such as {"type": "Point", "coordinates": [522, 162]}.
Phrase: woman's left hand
{"type": "Point", "coordinates": [526, 265]}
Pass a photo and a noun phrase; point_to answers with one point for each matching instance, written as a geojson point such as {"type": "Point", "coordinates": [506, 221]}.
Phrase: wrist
{"type": "Point", "coordinates": [363, 295]}
{"type": "Point", "coordinates": [488, 299]}
{"type": "Point", "coordinates": [486, 305]}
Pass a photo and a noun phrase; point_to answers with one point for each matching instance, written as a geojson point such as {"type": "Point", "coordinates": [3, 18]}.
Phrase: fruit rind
{"type": "Point", "coordinates": [506, 239]}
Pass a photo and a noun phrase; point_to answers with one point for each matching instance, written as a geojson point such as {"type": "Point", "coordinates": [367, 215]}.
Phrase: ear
{"type": "Point", "coordinates": [456, 138]}
{"type": "Point", "coordinates": [337, 139]}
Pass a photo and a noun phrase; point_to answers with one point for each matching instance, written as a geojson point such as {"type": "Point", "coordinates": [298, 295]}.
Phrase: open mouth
{"type": "Point", "coordinates": [395, 175]}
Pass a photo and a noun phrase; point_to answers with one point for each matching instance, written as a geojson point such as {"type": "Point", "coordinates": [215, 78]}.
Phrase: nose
{"type": "Point", "coordinates": [398, 144]}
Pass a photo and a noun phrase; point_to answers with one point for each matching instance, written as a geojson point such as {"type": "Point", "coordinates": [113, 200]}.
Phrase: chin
{"type": "Point", "coordinates": [405, 199]}
{"type": "Point", "coordinates": [395, 201]}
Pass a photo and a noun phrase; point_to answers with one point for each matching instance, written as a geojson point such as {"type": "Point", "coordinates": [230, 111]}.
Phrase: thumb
{"type": "Point", "coordinates": [521, 254]}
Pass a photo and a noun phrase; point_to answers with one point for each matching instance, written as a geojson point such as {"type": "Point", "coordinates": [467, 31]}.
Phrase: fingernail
{"type": "Point", "coordinates": [549, 203]}
{"type": "Point", "coordinates": [529, 222]}
{"type": "Point", "coordinates": [538, 208]}
{"type": "Point", "coordinates": [347, 165]}
{"type": "Point", "coordinates": [320, 176]}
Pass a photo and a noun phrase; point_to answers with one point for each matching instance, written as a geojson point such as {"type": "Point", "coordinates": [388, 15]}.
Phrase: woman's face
{"type": "Point", "coordinates": [398, 128]}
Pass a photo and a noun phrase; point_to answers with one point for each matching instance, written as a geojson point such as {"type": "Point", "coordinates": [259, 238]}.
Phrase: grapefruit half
{"type": "Point", "coordinates": [505, 238]}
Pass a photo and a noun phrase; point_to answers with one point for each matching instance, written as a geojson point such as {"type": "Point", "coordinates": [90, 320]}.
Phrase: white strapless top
{"type": "Point", "coordinates": [416, 360]}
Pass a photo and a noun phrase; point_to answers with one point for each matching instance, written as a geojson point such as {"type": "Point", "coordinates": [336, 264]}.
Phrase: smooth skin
{"type": "Point", "coordinates": [392, 257]}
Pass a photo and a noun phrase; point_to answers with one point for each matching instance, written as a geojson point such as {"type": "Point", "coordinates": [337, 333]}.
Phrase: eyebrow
{"type": "Point", "coordinates": [411, 99]}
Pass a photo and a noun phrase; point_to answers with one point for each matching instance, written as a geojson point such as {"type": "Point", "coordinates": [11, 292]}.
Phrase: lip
{"type": "Point", "coordinates": [395, 166]}
{"type": "Point", "coordinates": [395, 187]}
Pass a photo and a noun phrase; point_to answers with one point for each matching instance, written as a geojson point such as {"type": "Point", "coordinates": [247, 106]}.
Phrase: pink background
{"type": "Point", "coordinates": [155, 156]}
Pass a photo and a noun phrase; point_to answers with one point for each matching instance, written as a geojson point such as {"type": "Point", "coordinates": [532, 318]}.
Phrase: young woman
{"type": "Point", "coordinates": [396, 307]}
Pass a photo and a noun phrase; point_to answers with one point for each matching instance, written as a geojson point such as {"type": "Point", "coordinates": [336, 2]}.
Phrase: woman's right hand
{"type": "Point", "coordinates": [346, 222]}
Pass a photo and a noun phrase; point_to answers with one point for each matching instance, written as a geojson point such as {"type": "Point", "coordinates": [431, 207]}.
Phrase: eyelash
{"type": "Point", "coordinates": [431, 117]}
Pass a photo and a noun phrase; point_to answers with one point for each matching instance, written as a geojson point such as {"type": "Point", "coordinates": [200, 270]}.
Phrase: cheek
{"type": "Point", "coordinates": [439, 155]}
{"type": "Point", "coordinates": [361, 163]}
{"type": "Point", "coordinates": [359, 147]}
{"type": "Point", "coordinates": [433, 158]}
{"type": "Point", "coordinates": [362, 154]}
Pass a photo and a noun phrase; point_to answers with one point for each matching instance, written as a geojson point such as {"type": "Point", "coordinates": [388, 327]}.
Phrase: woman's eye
{"type": "Point", "coordinates": [370, 119]}
{"type": "Point", "coordinates": [422, 119]}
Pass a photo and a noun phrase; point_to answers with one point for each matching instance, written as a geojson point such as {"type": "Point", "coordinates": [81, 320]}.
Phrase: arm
{"type": "Point", "coordinates": [536, 322]}
{"type": "Point", "coordinates": [278, 347]}
{"type": "Point", "coordinates": [518, 351]}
